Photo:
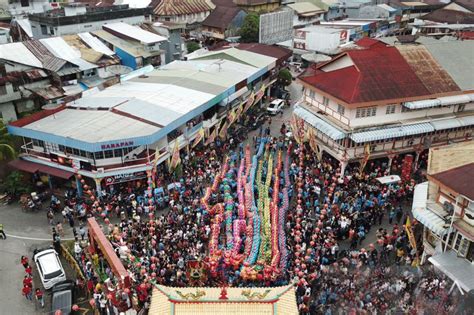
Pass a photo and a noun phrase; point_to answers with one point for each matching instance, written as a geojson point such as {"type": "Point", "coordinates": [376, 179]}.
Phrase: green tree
{"type": "Point", "coordinates": [250, 28]}
{"type": "Point", "coordinates": [192, 46]}
{"type": "Point", "coordinates": [7, 149]}
{"type": "Point", "coordinates": [285, 77]}
{"type": "Point", "coordinates": [14, 184]}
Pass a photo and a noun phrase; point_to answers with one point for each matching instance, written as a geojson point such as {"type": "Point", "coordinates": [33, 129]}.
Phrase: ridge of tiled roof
{"type": "Point", "coordinates": [182, 7]}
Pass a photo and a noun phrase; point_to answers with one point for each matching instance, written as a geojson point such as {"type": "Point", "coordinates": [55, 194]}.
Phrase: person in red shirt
{"type": "Point", "coordinates": [24, 261]}
{"type": "Point", "coordinates": [26, 291]}
{"type": "Point", "coordinates": [28, 281]}
{"type": "Point", "coordinates": [29, 270]}
{"type": "Point", "coordinates": [39, 297]}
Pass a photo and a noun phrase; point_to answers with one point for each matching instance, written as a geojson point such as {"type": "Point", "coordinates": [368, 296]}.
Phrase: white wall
{"type": "Point", "coordinates": [36, 6]}
{"type": "Point", "coordinates": [82, 27]}
{"type": "Point", "coordinates": [381, 116]}
{"type": "Point", "coordinates": [340, 63]}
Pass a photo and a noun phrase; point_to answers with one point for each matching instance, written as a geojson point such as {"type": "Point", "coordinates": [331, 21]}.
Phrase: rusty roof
{"type": "Point", "coordinates": [182, 7]}
{"type": "Point", "coordinates": [377, 73]}
{"type": "Point", "coordinates": [49, 61]}
{"type": "Point", "coordinates": [221, 17]}
{"type": "Point", "coordinates": [458, 179]}
{"type": "Point", "coordinates": [433, 76]}
{"type": "Point", "coordinates": [449, 17]}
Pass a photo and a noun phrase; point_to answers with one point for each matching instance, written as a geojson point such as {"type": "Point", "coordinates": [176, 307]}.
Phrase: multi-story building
{"type": "Point", "coordinates": [134, 46]}
{"type": "Point", "coordinates": [77, 18]}
{"type": "Point", "coordinates": [125, 131]}
{"type": "Point", "coordinates": [258, 5]}
{"type": "Point", "coordinates": [40, 72]}
{"type": "Point", "coordinates": [23, 7]}
{"type": "Point", "coordinates": [305, 13]}
{"type": "Point", "coordinates": [174, 45]}
{"type": "Point", "coordinates": [444, 205]}
{"type": "Point", "coordinates": [390, 99]}
{"type": "Point", "coordinates": [224, 21]}
{"type": "Point", "coordinates": [189, 12]}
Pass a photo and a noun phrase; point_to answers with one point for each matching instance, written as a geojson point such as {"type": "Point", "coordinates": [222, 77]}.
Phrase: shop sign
{"type": "Point", "coordinates": [117, 145]}
{"type": "Point", "coordinates": [122, 178]}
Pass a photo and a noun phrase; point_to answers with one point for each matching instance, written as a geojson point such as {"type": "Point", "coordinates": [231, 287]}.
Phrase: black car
{"type": "Point", "coordinates": [62, 297]}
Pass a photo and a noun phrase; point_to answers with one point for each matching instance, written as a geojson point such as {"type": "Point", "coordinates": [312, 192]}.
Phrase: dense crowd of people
{"type": "Point", "coordinates": [330, 217]}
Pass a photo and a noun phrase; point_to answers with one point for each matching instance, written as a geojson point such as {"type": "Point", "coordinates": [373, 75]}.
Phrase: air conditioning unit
{"type": "Point", "coordinates": [100, 170]}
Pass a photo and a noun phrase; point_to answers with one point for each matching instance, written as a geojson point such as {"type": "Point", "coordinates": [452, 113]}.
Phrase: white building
{"type": "Point", "coordinates": [305, 13]}
{"type": "Point", "coordinates": [444, 205]}
{"type": "Point", "coordinates": [391, 99]}
{"type": "Point", "coordinates": [128, 129]}
{"type": "Point", "coordinates": [77, 18]}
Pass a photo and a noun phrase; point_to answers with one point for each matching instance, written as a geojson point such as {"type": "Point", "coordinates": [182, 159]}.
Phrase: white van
{"type": "Point", "coordinates": [49, 267]}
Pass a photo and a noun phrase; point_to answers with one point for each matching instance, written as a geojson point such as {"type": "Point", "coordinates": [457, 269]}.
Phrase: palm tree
{"type": "Point", "coordinates": [7, 149]}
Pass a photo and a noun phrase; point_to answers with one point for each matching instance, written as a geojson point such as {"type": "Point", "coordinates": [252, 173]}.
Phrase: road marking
{"type": "Point", "coordinates": [37, 238]}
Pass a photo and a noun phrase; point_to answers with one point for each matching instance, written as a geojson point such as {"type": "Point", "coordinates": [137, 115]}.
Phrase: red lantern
{"type": "Point", "coordinates": [83, 181]}
{"type": "Point", "coordinates": [92, 198]}
{"type": "Point", "coordinates": [58, 312]}
{"type": "Point", "coordinates": [75, 307]}
{"type": "Point", "coordinates": [79, 176]}
{"type": "Point", "coordinates": [86, 187]}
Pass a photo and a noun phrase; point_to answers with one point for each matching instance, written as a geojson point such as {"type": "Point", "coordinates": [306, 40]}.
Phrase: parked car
{"type": "Point", "coordinates": [276, 106]}
{"type": "Point", "coordinates": [62, 297]}
{"type": "Point", "coordinates": [49, 267]}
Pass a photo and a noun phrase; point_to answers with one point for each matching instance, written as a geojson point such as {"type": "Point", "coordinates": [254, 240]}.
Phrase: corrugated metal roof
{"type": "Point", "coordinates": [427, 217]}
{"type": "Point", "coordinates": [391, 132]}
{"type": "Point", "coordinates": [19, 53]}
{"type": "Point", "coordinates": [455, 57]}
{"type": "Point", "coordinates": [49, 61]}
{"type": "Point", "coordinates": [182, 7]}
{"type": "Point", "coordinates": [456, 268]}
{"type": "Point", "coordinates": [305, 7]}
{"type": "Point", "coordinates": [133, 48]}
{"type": "Point", "coordinates": [60, 48]}
{"type": "Point", "coordinates": [49, 93]}
{"type": "Point", "coordinates": [433, 76]}
{"type": "Point", "coordinates": [378, 73]}
{"type": "Point", "coordinates": [25, 26]}
{"type": "Point", "coordinates": [135, 33]}
{"type": "Point", "coordinates": [318, 123]}
{"type": "Point", "coordinates": [94, 43]}
{"type": "Point", "coordinates": [92, 126]}
{"type": "Point", "coordinates": [221, 17]}
{"type": "Point", "coordinates": [243, 56]}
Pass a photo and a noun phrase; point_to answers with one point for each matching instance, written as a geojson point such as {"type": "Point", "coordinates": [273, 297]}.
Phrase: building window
{"type": "Point", "coordinates": [108, 154]}
{"type": "Point", "coordinates": [390, 109]}
{"type": "Point", "coordinates": [461, 245]}
{"type": "Point", "coordinates": [38, 143]}
{"type": "Point", "coordinates": [366, 112]}
{"type": "Point", "coordinates": [341, 109]}
{"type": "Point", "coordinates": [118, 152]}
{"type": "Point", "coordinates": [312, 94]}
{"type": "Point", "coordinates": [99, 155]}
{"type": "Point", "coordinates": [44, 30]}
{"type": "Point", "coordinates": [325, 101]}
{"type": "Point", "coordinates": [461, 107]}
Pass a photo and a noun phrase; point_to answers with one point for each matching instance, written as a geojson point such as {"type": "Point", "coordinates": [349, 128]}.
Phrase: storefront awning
{"type": "Point", "coordinates": [456, 268]}
{"type": "Point", "coordinates": [391, 132]}
{"type": "Point", "coordinates": [440, 101]}
{"type": "Point", "coordinates": [31, 167]}
{"type": "Point", "coordinates": [428, 218]}
{"type": "Point", "coordinates": [422, 104]}
{"type": "Point", "coordinates": [319, 123]}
